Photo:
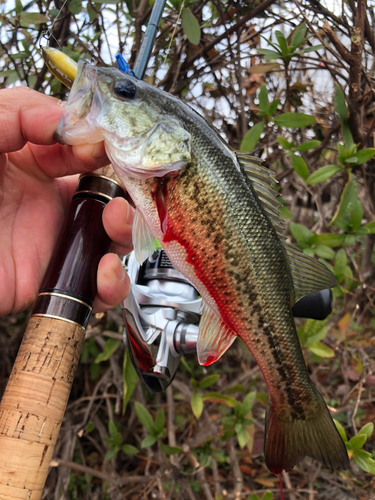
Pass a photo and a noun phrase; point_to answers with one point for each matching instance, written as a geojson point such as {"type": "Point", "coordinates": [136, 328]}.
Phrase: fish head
{"type": "Point", "coordinates": [142, 139]}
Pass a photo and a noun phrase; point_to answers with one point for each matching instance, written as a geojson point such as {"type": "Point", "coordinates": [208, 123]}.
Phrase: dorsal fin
{"type": "Point", "coordinates": [262, 181]}
{"type": "Point", "coordinates": [308, 274]}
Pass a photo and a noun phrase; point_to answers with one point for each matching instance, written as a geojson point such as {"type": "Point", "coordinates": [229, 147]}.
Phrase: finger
{"type": "Point", "coordinates": [26, 115]}
{"type": "Point", "coordinates": [29, 116]}
{"type": "Point", "coordinates": [118, 218]}
{"type": "Point", "coordinates": [113, 283]}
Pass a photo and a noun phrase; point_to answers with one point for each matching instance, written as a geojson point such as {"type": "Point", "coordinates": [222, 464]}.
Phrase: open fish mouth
{"type": "Point", "coordinates": [78, 124]}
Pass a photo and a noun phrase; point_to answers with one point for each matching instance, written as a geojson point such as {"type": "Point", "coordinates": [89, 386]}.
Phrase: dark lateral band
{"type": "Point", "coordinates": [60, 306]}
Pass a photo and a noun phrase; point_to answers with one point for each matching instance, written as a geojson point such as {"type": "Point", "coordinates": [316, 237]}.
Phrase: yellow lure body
{"type": "Point", "coordinates": [60, 65]}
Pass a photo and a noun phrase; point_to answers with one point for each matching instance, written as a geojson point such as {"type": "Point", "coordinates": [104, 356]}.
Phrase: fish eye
{"type": "Point", "coordinates": [125, 89]}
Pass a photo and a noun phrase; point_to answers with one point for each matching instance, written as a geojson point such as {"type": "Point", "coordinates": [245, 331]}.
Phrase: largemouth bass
{"type": "Point", "coordinates": [215, 213]}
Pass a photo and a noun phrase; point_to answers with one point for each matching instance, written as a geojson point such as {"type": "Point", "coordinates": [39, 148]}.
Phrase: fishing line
{"type": "Point", "coordinates": [174, 31]}
{"type": "Point", "coordinates": [48, 34]}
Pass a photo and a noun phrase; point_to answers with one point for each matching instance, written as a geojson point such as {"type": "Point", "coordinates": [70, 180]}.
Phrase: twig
{"type": "Point", "coordinates": [237, 474]}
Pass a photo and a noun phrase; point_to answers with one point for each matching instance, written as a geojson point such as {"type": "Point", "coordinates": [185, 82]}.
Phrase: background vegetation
{"type": "Point", "coordinates": [293, 82]}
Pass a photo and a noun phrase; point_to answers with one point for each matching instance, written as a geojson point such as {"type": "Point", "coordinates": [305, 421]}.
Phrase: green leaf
{"type": "Point", "coordinates": [340, 108]}
{"type": "Point", "coordinates": [285, 213]}
{"type": "Point", "coordinates": [312, 331]}
{"type": "Point", "coordinates": [242, 436]}
{"type": "Point", "coordinates": [269, 54]}
{"type": "Point", "coordinates": [33, 17]}
{"type": "Point", "coordinates": [170, 450]}
{"type": "Point", "coordinates": [367, 429]}
{"type": "Point", "coordinates": [356, 215]}
{"type": "Point", "coordinates": [324, 252]}
{"type": "Point", "coordinates": [364, 461]}
{"type": "Point", "coordinates": [364, 155]}
{"type": "Point", "coordinates": [113, 2]}
{"type": "Point", "coordinates": [260, 69]}
{"type": "Point", "coordinates": [323, 173]}
{"type": "Point", "coordinates": [197, 404]}
{"type": "Point", "coordinates": [92, 13]}
{"type": "Point", "coordinates": [128, 449]}
{"type": "Point", "coordinates": [223, 399]}
{"type": "Point", "coordinates": [309, 49]}
{"type": "Point", "coordinates": [148, 441]}
{"type": "Point", "coordinates": [159, 421]}
{"type": "Point", "coordinates": [341, 262]}
{"type": "Point", "coordinates": [298, 36]}
{"type": "Point", "coordinates": [191, 27]}
{"type": "Point", "coordinates": [370, 227]}
{"type": "Point", "coordinates": [329, 239]}
{"type": "Point", "coordinates": [356, 442]}
{"type": "Point", "coordinates": [272, 107]}
{"type": "Point", "coordinates": [248, 402]}
{"type": "Point", "coordinates": [263, 100]}
{"type": "Point", "coordinates": [347, 200]}
{"type": "Point", "coordinates": [110, 346]}
{"type": "Point", "coordinates": [309, 252]}
{"type": "Point", "coordinates": [282, 43]}
{"type": "Point", "coordinates": [307, 145]}
{"type": "Point", "coordinates": [19, 7]}
{"type": "Point", "coordinates": [112, 428]}
{"type": "Point", "coordinates": [294, 120]}
{"type": "Point", "coordinates": [300, 166]}
{"type": "Point", "coordinates": [252, 137]}
{"type": "Point", "coordinates": [75, 6]}
{"type": "Point", "coordinates": [341, 430]}
{"type": "Point", "coordinates": [321, 350]}
{"type": "Point", "coordinates": [208, 381]}
{"type": "Point", "coordinates": [301, 234]}
{"type": "Point", "coordinates": [284, 143]}
{"type": "Point", "coordinates": [268, 495]}
{"type": "Point", "coordinates": [110, 455]}
{"type": "Point", "coordinates": [144, 417]}
{"type": "Point", "coordinates": [90, 426]}
{"type": "Point", "coordinates": [130, 377]}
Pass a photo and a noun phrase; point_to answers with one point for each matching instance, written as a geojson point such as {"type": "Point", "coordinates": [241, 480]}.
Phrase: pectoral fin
{"type": "Point", "coordinates": [143, 241]}
{"type": "Point", "coordinates": [214, 337]}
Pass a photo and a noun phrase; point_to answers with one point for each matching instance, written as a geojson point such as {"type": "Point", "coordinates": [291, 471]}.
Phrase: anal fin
{"type": "Point", "coordinates": [214, 337]}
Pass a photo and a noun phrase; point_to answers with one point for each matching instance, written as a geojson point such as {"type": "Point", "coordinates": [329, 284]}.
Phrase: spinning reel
{"type": "Point", "coordinates": [162, 314]}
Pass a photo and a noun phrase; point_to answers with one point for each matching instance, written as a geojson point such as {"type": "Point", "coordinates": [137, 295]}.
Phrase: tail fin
{"type": "Point", "coordinates": [286, 443]}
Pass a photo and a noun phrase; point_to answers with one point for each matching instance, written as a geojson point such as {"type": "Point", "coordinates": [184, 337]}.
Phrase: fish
{"type": "Point", "coordinates": [215, 213]}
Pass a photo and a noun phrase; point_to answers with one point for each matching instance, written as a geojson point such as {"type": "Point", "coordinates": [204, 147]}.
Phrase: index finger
{"type": "Point", "coordinates": [27, 116]}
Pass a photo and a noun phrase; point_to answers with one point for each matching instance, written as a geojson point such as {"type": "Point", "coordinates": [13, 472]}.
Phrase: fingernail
{"type": "Point", "coordinates": [99, 151]}
{"type": "Point", "coordinates": [119, 270]}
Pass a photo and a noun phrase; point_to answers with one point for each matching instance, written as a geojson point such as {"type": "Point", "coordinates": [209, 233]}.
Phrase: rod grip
{"type": "Point", "coordinates": [34, 403]}
{"type": "Point", "coordinates": [35, 399]}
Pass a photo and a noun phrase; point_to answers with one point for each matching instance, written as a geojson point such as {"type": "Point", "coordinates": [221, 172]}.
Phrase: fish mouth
{"type": "Point", "coordinates": [78, 123]}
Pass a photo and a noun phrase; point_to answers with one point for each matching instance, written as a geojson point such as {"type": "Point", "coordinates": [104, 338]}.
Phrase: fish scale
{"type": "Point", "coordinates": [215, 214]}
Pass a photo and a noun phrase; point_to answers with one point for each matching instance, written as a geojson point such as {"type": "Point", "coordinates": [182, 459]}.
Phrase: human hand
{"type": "Point", "coordinates": [36, 187]}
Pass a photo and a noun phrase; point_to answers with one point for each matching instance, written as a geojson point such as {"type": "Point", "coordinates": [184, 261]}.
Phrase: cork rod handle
{"type": "Point", "coordinates": [35, 399]}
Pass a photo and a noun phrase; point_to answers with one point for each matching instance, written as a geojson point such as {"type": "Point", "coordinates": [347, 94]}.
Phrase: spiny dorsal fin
{"type": "Point", "coordinates": [143, 241]}
{"type": "Point", "coordinates": [262, 181]}
{"type": "Point", "coordinates": [309, 275]}
{"type": "Point", "coordinates": [214, 337]}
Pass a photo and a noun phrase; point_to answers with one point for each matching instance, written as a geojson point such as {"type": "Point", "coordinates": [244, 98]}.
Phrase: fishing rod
{"type": "Point", "coordinates": [35, 398]}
